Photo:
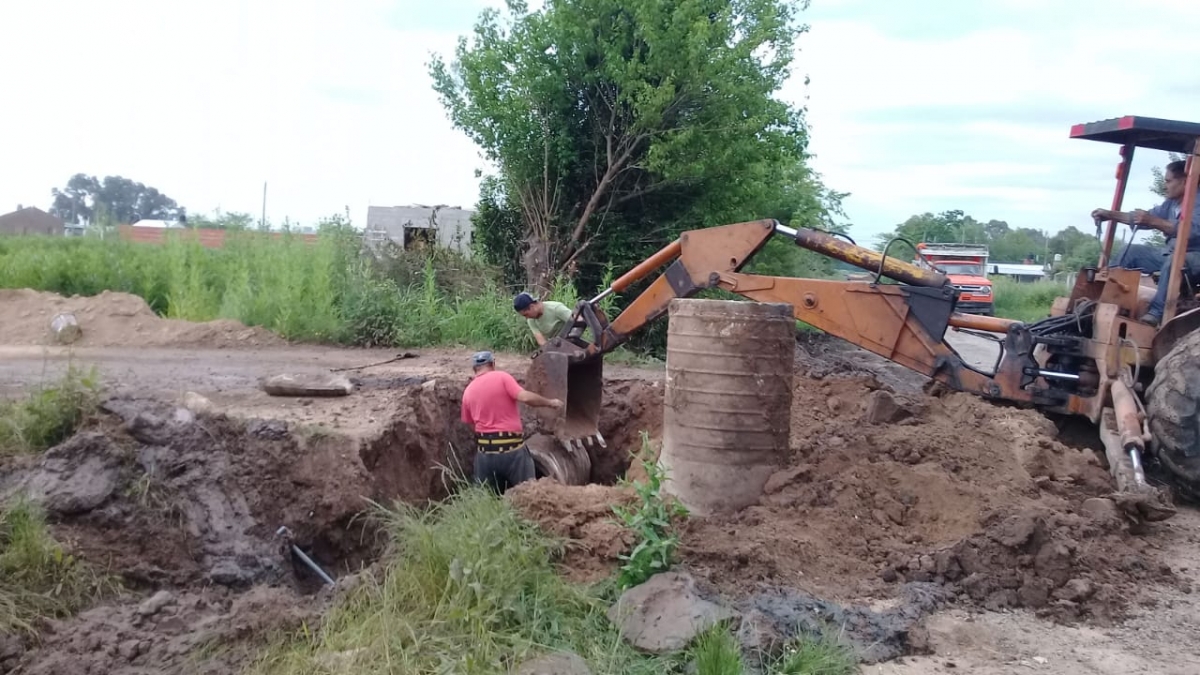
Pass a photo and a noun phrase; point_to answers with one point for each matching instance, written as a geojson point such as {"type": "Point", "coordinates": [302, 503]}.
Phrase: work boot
{"type": "Point", "coordinates": [1150, 319]}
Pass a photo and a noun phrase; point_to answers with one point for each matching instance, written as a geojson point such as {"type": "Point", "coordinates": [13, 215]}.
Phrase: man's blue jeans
{"type": "Point", "coordinates": [1151, 259]}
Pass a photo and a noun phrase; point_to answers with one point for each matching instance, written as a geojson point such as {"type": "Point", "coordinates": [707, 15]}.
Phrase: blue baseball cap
{"type": "Point", "coordinates": [522, 301]}
{"type": "Point", "coordinates": [482, 359]}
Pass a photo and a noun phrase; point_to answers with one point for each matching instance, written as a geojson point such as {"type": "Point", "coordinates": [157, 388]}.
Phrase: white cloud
{"type": "Point", "coordinates": [331, 102]}
{"type": "Point", "coordinates": [887, 110]}
{"type": "Point", "coordinates": [205, 101]}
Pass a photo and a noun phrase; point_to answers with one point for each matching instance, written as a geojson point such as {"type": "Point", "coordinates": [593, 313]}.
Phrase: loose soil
{"type": "Point", "coordinates": [904, 517]}
{"type": "Point", "coordinates": [116, 319]}
{"type": "Point", "coordinates": [888, 495]}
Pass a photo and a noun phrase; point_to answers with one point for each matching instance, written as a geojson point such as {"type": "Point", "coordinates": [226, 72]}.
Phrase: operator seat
{"type": "Point", "coordinates": [1189, 285]}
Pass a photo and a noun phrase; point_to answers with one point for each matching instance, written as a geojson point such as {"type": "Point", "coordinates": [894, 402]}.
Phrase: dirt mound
{"type": "Point", "coordinates": [116, 319]}
{"type": "Point", "coordinates": [885, 488]}
{"type": "Point", "coordinates": [582, 515]}
{"type": "Point", "coordinates": [1065, 565]}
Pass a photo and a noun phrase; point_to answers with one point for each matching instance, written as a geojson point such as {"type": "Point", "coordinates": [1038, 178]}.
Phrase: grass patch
{"type": "Point", "coordinates": [328, 291]}
{"type": "Point", "coordinates": [49, 414]}
{"type": "Point", "coordinates": [716, 652]}
{"type": "Point", "coordinates": [325, 292]}
{"type": "Point", "coordinates": [1026, 302]}
{"type": "Point", "coordinates": [469, 588]}
{"type": "Point", "coordinates": [823, 655]}
{"type": "Point", "coordinates": [38, 578]}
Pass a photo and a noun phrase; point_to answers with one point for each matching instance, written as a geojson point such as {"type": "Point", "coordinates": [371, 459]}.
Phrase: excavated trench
{"type": "Point", "coordinates": [171, 498]}
{"type": "Point", "coordinates": [190, 505]}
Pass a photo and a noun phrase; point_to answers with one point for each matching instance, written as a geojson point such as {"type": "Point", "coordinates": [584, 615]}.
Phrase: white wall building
{"type": "Point", "coordinates": [446, 226]}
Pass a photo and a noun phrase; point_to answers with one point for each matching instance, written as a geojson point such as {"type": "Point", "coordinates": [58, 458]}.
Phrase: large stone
{"type": "Point", "coordinates": [561, 663]}
{"type": "Point", "coordinates": [76, 476]}
{"type": "Point", "coordinates": [882, 408]}
{"type": "Point", "coordinates": [65, 328]}
{"type": "Point", "coordinates": [307, 385]}
{"type": "Point", "coordinates": [665, 613]}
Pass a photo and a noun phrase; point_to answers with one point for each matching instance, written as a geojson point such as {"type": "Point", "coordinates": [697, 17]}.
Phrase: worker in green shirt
{"type": "Point", "coordinates": [545, 319]}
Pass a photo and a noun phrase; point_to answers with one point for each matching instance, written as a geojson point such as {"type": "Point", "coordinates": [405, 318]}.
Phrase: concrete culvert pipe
{"type": "Point", "coordinates": [728, 399]}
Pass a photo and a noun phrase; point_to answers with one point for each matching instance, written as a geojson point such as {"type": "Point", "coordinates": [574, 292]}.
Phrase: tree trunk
{"type": "Point", "coordinates": [539, 270]}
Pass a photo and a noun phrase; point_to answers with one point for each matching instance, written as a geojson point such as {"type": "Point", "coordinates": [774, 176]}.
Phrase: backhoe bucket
{"type": "Point", "coordinates": [577, 382]}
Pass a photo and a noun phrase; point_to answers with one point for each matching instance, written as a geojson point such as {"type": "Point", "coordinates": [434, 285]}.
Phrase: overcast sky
{"type": "Point", "coordinates": [918, 106]}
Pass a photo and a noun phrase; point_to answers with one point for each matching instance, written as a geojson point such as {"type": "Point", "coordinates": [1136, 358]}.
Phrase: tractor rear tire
{"type": "Point", "coordinates": [1173, 412]}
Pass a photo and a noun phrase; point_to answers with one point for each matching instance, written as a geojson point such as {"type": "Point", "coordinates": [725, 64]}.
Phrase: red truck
{"type": "Point", "coordinates": [966, 266]}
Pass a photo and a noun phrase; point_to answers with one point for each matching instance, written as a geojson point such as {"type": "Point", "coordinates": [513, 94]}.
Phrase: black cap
{"type": "Point", "coordinates": [522, 301]}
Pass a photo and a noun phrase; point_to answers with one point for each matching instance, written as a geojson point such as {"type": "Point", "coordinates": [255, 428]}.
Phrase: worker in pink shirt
{"type": "Point", "coordinates": [489, 405]}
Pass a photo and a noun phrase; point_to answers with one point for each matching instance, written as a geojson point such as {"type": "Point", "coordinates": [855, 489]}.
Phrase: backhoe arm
{"type": "Point", "coordinates": [904, 323]}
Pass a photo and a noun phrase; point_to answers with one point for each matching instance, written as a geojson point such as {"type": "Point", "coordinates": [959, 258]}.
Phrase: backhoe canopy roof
{"type": "Point", "coordinates": [1142, 132]}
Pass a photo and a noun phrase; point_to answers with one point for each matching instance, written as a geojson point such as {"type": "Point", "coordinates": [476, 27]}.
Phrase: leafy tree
{"type": "Point", "coordinates": [948, 226]}
{"type": "Point", "coordinates": [1159, 187]}
{"type": "Point", "coordinates": [220, 220]}
{"type": "Point", "coordinates": [617, 123]}
{"type": "Point", "coordinates": [124, 200]}
{"type": "Point", "coordinates": [1005, 243]}
{"type": "Point", "coordinates": [1159, 184]}
{"type": "Point", "coordinates": [1077, 248]}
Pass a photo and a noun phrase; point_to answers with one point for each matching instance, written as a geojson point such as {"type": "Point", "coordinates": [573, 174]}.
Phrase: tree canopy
{"type": "Point", "coordinates": [615, 124]}
{"type": "Point", "coordinates": [85, 199]}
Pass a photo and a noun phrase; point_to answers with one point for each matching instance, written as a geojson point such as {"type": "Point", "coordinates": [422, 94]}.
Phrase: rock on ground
{"type": "Point", "coordinates": [76, 476]}
{"type": "Point", "coordinates": [307, 385]}
{"type": "Point", "coordinates": [562, 663]}
{"type": "Point", "coordinates": [665, 613]}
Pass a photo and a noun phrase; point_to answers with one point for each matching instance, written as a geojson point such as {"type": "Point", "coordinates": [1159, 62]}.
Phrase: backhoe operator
{"type": "Point", "coordinates": [1164, 218]}
{"type": "Point", "coordinates": [489, 405]}
{"type": "Point", "coordinates": [545, 318]}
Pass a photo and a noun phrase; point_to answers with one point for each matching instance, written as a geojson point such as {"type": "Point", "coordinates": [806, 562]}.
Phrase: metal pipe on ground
{"type": "Point", "coordinates": [728, 399]}
{"type": "Point", "coordinates": [283, 531]}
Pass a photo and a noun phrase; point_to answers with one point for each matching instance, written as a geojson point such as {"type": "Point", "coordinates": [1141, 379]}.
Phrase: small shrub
{"type": "Point", "coordinates": [49, 414]}
{"type": "Point", "coordinates": [651, 523]}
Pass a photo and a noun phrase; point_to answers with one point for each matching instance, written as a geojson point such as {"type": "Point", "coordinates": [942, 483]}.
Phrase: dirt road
{"type": "Point", "coordinates": [229, 378]}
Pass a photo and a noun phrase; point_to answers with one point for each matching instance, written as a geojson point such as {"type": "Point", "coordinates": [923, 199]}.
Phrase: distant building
{"type": "Point", "coordinates": [160, 224]}
{"type": "Point", "coordinates": [1025, 272]}
{"type": "Point", "coordinates": [31, 220]}
{"type": "Point", "coordinates": [416, 225]}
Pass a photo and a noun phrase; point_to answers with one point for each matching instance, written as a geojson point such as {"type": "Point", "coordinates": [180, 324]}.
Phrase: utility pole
{"type": "Point", "coordinates": [262, 223]}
